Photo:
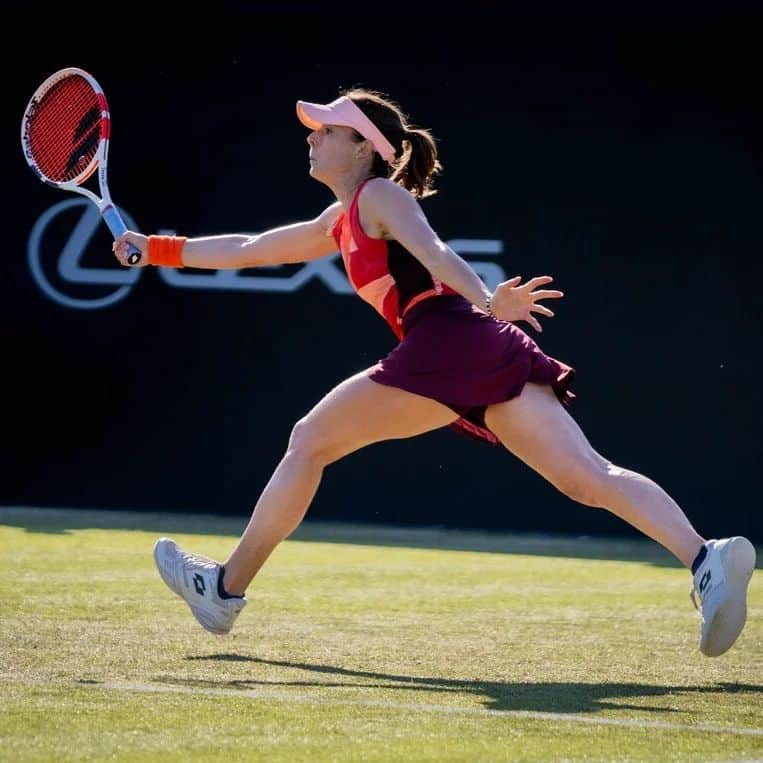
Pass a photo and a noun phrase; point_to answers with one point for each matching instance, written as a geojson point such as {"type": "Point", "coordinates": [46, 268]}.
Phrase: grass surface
{"type": "Point", "coordinates": [363, 643]}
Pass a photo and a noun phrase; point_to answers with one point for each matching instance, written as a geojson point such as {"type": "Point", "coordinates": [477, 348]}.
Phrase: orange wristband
{"type": "Point", "coordinates": [166, 251]}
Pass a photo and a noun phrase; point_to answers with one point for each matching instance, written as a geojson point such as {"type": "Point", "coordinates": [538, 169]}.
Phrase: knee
{"type": "Point", "coordinates": [586, 484]}
{"type": "Point", "coordinates": [308, 442]}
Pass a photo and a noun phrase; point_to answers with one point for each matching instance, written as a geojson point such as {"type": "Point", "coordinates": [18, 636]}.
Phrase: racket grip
{"type": "Point", "coordinates": [117, 227]}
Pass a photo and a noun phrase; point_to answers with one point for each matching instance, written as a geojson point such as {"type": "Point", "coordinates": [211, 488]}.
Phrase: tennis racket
{"type": "Point", "coordinates": [65, 136]}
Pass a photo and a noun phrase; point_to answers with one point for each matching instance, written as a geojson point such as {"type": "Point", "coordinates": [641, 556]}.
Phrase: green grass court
{"type": "Point", "coordinates": [363, 643]}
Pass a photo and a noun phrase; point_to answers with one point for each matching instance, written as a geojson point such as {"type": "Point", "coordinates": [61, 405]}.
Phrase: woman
{"type": "Point", "coordinates": [461, 361]}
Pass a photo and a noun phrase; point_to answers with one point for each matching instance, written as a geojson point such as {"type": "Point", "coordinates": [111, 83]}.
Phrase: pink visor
{"type": "Point", "coordinates": [345, 113]}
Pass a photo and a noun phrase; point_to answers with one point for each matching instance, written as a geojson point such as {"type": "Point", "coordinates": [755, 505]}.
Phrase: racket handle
{"type": "Point", "coordinates": [117, 227]}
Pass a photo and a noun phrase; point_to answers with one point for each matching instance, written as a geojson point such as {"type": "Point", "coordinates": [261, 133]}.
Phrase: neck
{"type": "Point", "coordinates": [344, 188]}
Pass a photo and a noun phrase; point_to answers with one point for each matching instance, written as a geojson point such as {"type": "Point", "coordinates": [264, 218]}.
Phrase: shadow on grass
{"type": "Point", "coordinates": [66, 521]}
{"type": "Point", "coordinates": [546, 696]}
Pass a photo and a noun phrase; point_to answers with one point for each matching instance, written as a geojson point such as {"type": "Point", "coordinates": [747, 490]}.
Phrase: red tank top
{"type": "Point", "coordinates": [382, 272]}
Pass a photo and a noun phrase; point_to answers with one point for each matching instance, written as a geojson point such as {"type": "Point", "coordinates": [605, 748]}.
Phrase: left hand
{"type": "Point", "coordinates": [512, 302]}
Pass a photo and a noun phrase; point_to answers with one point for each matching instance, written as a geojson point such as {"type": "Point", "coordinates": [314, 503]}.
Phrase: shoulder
{"type": "Point", "coordinates": [380, 189]}
{"type": "Point", "coordinates": [381, 195]}
{"type": "Point", "coordinates": [328, 218]}
{"type": "Point", "coordinates": [384, 206]}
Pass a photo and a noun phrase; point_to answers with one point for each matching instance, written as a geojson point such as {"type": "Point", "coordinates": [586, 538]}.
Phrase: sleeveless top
{"type": "Point", "coordinates": [382, 272]}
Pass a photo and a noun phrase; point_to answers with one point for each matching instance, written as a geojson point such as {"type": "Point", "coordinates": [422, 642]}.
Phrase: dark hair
{"type": "Point", "coordinates": [415, 162]}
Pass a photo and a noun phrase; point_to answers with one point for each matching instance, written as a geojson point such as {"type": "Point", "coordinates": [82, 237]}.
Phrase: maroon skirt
{"type": "Point", "coordinates": [458, 355]}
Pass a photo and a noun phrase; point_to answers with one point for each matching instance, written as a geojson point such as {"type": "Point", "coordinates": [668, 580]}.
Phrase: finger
{"type": "Point", "coordinates": [538, 281]}
{"type": "Point", "coordinates": [512, 281]}
{"type": "Point", "coordinates": [543, 310]}
{"type": "Point", "coordinates": [533, 321]}
{"type": "Point", "coordinates": [547, 294]}
{"type": "Point", "coordinates": [119, 251]}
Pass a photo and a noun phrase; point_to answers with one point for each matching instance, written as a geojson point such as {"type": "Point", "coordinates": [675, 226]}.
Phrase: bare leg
{"type": "Point", "coordinates": [354, 414]}
{"type": "Point", "coordinates": [538, 430]}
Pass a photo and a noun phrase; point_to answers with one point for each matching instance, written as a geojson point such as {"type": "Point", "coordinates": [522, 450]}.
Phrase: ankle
{"type": "Point", "coordinates": [222, 591]}
{"type": "Point", "coordinates": [698, 559]}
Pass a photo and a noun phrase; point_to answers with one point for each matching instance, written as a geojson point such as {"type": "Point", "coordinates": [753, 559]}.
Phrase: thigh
{"type": "Point", "coordinates": [537, 429]}
{"type": "Point", "coordinates": [359, 411]}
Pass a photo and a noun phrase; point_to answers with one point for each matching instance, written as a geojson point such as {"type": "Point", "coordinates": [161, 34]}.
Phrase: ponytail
{"type": "Point", "coordinates": [416, 168]}
{"type": "Point", "coordinates": [415, 163]}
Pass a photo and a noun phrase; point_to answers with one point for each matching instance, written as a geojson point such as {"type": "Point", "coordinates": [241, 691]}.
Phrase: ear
{"type": "Point", "coordinates": [364, 149]}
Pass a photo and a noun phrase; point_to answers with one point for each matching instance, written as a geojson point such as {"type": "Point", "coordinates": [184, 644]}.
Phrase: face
{"type": "Point", "coordinates": [334, 151]}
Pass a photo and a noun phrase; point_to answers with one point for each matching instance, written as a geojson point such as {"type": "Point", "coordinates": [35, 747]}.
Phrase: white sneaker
{"type": "Point", "coordinates": [194, 579]}
{"type": "Point", "coordinates": [721, 583]}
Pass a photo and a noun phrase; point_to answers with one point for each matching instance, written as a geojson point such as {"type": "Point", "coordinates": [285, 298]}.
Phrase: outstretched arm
{"type": "Point", "coordinates": [299, 242]}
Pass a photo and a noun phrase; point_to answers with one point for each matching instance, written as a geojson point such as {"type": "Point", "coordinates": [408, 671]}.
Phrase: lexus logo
{"type": "Point", "coordinates": [70, 256]}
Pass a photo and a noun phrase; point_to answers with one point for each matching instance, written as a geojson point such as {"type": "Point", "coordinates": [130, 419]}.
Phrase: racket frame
{"type": "Point", "coordinates": [98, 163]}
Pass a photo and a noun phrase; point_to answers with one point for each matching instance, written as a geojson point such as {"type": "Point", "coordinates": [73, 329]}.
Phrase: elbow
{"type": "Point", "coordinates": [248, 254]}
{"type": "Point", "coordinates": [436, 259]}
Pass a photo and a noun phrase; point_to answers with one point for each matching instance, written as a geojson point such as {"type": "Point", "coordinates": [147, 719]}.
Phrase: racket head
{"type": "Point", "coordinates": [65, 128]}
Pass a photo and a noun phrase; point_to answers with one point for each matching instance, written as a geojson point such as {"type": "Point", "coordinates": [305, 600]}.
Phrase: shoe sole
{"type": "Point", "coordinates": [729, 619]}
{"type": "Point", "coordinates": [211, 629]}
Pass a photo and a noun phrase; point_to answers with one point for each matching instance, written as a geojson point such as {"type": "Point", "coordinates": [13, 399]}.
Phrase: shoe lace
{"type": "Point", "coordinates": [197, 560]}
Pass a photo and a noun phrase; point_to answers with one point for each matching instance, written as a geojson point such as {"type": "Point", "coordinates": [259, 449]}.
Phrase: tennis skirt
{"type": "Point", "coordinates": [458, 355]}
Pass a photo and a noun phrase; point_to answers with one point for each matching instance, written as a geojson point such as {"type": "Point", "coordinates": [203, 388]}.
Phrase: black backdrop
{"type": "Point", "coordinates": [618, 150]}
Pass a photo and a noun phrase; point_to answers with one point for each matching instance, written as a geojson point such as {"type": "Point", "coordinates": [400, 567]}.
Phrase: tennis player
{"type": "Point", "coordinates": [461, 361]}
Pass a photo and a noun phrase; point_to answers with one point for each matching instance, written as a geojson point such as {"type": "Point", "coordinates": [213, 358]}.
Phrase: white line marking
{"type": "Point", "coordinates": [260, 694]}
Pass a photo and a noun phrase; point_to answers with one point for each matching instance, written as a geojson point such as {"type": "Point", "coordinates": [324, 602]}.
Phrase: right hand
{"type": "Point", "coordinates": [138, 240]}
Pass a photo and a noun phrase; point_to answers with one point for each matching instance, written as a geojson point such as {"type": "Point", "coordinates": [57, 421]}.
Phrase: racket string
{"type": "Point", "coordinates": [64, 130]}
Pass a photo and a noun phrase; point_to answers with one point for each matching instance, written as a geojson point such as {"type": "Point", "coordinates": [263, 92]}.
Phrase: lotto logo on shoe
{"type": "Point", "coordinates": [200, 585]}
